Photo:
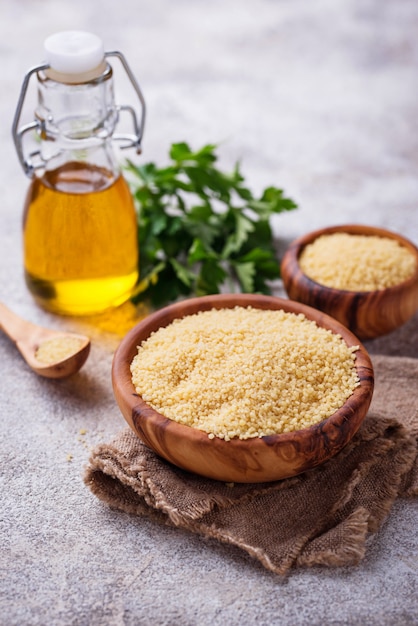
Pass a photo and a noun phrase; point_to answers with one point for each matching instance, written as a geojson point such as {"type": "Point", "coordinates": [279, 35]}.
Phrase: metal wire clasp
{"type": "Point", "coordinates": [128, 140]}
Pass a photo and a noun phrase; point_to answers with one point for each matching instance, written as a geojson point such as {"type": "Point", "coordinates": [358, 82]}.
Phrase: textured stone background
{"type": "Point", "coordinates": [319, 97]}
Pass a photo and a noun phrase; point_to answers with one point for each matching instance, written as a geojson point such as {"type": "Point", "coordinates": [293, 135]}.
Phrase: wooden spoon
{"type": "Point", "coordinates": [49, 353]}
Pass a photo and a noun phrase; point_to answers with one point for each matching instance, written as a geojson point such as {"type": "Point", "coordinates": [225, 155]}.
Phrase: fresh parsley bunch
{"type": "Point", "coordinates": [202, 230]}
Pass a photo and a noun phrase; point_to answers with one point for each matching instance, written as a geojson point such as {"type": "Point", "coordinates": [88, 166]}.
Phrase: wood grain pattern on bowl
{"type": "Point", "coordinates": [251, 460]}
{"type": "Point", "coordinates": [367, 314]}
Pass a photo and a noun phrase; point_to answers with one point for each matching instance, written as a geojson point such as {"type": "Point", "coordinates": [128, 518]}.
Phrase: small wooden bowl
{"type": "Point", "coordinates": [251, 460]}
{"type": "Point", "coordinates": [367, 314]}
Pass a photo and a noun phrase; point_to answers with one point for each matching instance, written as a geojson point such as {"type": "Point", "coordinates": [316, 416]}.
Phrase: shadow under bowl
{"type": "Point", "coordinates": [368, 314]}
{"type": "Point", "coordinates": [255, 460]}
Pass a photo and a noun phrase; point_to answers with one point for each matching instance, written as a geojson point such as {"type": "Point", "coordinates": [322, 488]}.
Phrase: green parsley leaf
{"type": "Point", "coordinates": [201, 230]}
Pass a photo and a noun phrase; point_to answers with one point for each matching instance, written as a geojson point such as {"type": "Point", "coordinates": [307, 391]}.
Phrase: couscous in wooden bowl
{"type": "Point", "coordinates": [259, 459]}
{"type": "Point", "coordinates": [367, 313]}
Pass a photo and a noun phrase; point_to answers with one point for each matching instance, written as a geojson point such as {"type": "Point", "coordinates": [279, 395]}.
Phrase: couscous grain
{"type": "Point", "coordinates": [244, 372]}
{"type": "Point", "coordinates": [357, 262]}
{"type": "Point", "coordinates": [58, 348]}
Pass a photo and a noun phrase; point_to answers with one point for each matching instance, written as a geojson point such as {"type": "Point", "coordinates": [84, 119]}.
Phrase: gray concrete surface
{"type": "Point", "coordinates": [319, 97]}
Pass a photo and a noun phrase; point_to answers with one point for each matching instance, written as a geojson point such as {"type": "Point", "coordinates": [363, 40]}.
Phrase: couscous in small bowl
{"type": "Point", "coordinates": [368, 312]}
{"type": "Point", "coordinates": [258, 458]}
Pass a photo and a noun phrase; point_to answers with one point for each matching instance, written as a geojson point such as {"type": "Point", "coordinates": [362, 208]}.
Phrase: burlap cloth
{"type": "Point", "coordinates": [322, 517]}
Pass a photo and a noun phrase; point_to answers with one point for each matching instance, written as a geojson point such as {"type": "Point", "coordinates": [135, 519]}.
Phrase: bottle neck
{"type": "Point", "coordinates": [76, 121]}
{"type": "Point", "coordinates": [77, 177]}
{"type": "Point", "coordinates": [98, 162]}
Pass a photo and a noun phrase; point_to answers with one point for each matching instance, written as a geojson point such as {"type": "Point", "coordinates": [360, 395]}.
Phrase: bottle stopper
{"type": "Point", "coordinates": [74, 55]}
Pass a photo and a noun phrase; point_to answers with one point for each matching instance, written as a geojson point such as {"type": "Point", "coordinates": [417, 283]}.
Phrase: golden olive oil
{"type": "Point", "coordinates": [80, 239]}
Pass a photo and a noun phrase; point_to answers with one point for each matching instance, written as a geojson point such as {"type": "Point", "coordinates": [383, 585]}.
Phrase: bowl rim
{"type": "Point", "coordinates": [353, 410]}
{"type": "Point", "coordinates": [296, 248]}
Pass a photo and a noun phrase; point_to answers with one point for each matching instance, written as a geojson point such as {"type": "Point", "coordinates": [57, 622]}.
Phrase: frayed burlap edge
{"type": "Point", "coordinates": [125, 483]}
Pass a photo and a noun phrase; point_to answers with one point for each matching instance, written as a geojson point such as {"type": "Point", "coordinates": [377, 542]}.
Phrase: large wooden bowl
{"type": "Point", "coordinates": [368, 314]}
{"type": "Point", "coordinates": [251, 460]}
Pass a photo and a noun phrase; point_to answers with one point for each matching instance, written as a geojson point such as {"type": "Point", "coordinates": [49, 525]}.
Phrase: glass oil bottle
{"type": "Point", "coordinates": [80, 240]}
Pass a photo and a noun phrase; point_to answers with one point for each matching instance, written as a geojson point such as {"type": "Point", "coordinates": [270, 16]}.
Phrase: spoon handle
{"type": "Point", "coordinates": [12, 325]}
